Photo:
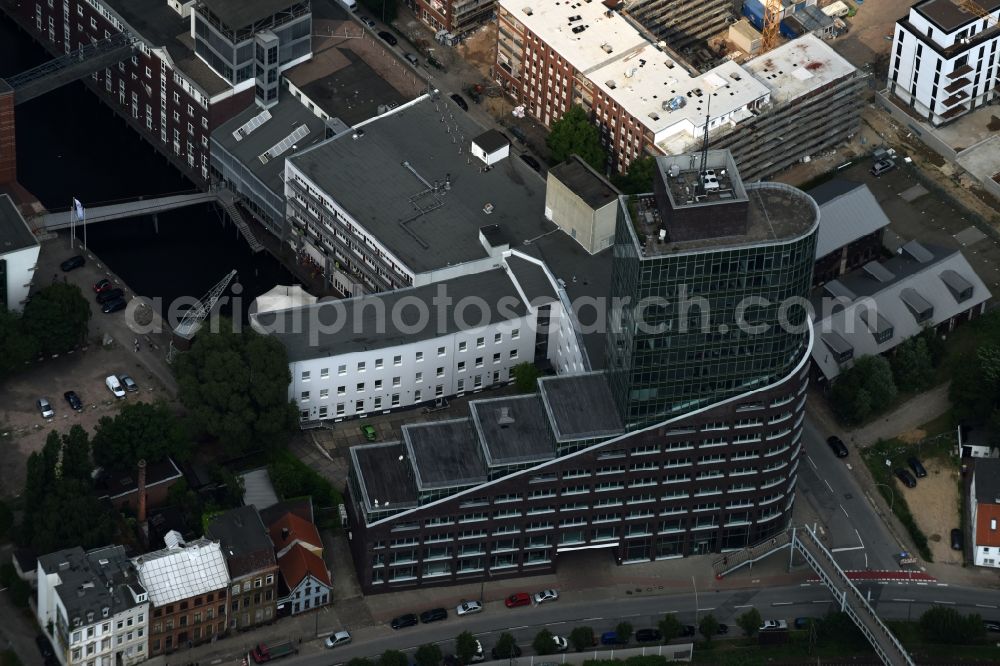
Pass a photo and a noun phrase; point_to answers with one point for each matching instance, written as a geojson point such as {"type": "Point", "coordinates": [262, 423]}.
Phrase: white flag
{"type": "Point", "coordinates": [79, 209]}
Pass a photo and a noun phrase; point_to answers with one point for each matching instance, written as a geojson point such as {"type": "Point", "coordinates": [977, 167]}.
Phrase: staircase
{"type": "Point", "coordinates": [227, 199]}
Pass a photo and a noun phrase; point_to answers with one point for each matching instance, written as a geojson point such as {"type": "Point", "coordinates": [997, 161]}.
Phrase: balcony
{"type": "Point", "coordinates": [960, 96]}
{"type": "Point", "coordinates": [957, 85]}
{"type": "Point", "coordinates": [959, 71]}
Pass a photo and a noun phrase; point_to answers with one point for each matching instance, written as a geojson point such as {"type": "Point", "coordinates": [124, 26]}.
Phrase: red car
{"type": "Point", "coordinates": [519, 599]}
{"type": "Point", "coordinates": [102, 286]}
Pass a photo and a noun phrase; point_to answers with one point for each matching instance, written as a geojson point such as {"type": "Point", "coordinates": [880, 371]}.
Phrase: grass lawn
{"type": "Point", "coordinates": [797, 649]}
{"type": "Point", "coordinates": [909, 635]}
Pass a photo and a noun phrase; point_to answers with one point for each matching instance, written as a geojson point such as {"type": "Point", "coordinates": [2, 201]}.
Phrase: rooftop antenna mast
{"type": "Point", "coordinates": [704, 149]}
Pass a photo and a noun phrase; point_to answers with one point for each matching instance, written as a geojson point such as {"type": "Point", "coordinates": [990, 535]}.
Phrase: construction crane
{"type": "Point", "coordinates": [190, 324]}
{"type": "Point", "coordinates": [772, 24]}
{"type": "Point", "coordinates": [974, 8]}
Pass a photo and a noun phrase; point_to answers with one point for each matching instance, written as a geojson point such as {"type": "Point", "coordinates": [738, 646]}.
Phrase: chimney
{"type": "Point", "coordinates": [505, 420]}
{"type": "Point", "coordinates": [284, 534]}
{"type": "Point", "coordinates": [142, 492]}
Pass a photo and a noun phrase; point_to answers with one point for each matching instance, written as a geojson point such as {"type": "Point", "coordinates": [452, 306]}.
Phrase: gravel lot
{"type": "Point", "coordinates": [934, 504]}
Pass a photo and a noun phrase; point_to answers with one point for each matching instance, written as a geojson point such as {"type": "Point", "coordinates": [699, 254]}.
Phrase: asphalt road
{"type": "Point", "coordinates": [857, 535]}
{"type": "Point", "coordinates": [896, 601]}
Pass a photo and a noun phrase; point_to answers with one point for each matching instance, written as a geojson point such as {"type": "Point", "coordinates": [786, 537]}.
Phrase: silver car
{"type": "Point", "coordinates": [338, 638]}
{"type": "Point", "coordinates": [45, 408]}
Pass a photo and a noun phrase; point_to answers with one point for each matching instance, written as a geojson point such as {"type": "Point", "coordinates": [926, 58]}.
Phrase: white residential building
{"type": "Point", "coordinates": [944, 60]}
{"type": "Point", "coordinates": [18, 256]}
{"type": "Point", "coordinates": [92, 607]}
{"type": "Point", "coordinates": [984, 507]}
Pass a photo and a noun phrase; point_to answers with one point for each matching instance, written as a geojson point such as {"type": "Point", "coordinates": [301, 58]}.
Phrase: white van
{"type": "Point", "coordinates": [350, 5]}
{"type": "Point", "coordinates": [114, 386]}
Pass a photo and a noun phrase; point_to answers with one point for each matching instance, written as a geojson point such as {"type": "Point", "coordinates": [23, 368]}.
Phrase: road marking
{"type": "Point", "coordinates": [591, 619]}
{"type": "Point", "coordinates": [699, 610]}
{"type": "Point", "coordinates": [905, 601]}
{"type": "Point", "coordinates": [553, 624]}
{"type": "Point", "coordinates": [860, 540]}
{"type": "Point", "coordinates": [522, 627]}
{"type": "Point", "coordinates": [633, 615]}
{"type": "Point", "coordinates": [782, 603]}
{"type": "Point", "coordinates": [673, 611]}
{"type": "Point", "coordinates": [822, 601]}
{"type": "Point", "coordinates": [944, 603]}
{"type": "Point", "coordinates": [828, 485]}
{"type": "Point", "coordinates": [985, 606]}
{"type": "Point", "coordinates": [846, 548]}
{"type": "Point", "coordinates": [844, 510]}
{"type": "Point", "coordinates": [810, 459]}
{"type": "Point", "coordinates": [942, 584]}
{"type": "Point", "coordinates": [744, 606]}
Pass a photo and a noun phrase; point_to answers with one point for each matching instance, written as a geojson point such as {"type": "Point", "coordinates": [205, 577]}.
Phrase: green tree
{"type": "Point", "coordinates": [76, 462]}
{"type": "Point", "coordinates": [504, 648]}
{"type": "Point", "coordinates": [393, 658]}
{"type": "Point", "coordinates": [946, 625]}
{"type": "Point", "coordinates": [708, 627]}
{"type": "Point", "coordinates": [543, 643]}
{"type": "Point", "coordinates": [639, 177]}
{"type": "Point", "coordinates": [581, 638]}
{"type": "Point", "coordinates": [863, 390]}
{"type": "Point", "coordinates": [70, 515]}
{"type": "Point", "coordinates": [386, 10]}
{"type": "Point", "coordinates": [935, 345]}
{"type": "Point", "coordinates": [575, 134]}
{"type": "Point", "coordinates": [140, 431]}
{"type": "Point", "coordinates": [360, 661]}
{"type": "Point", "coordinates": [466, 647]}
{"type": "Point", "coordinates": [526, 377]}
{"type": "Point", "coordinates": [235, 387]}
{"type": "Point", "coordinates": [972, 396]}
{"type": "Point", "coordinates": [750, 622]}
{"type": "Point", "coordinates": [18, 590]}
{"type": "Point", "coordinates": [912, 367]}
{"type": "Point", "coordinates": [57, 317]}
{"type": "Point", "coordinates": [670, 627]}
{"type": "Point", "coordinates": [428, 654]}
{"type": "Point", "coordinates": [17, 345]}
{"type": "Point", "coordinates": [624, 631]}
{"type": "Point", "coordinates": [293, 478]}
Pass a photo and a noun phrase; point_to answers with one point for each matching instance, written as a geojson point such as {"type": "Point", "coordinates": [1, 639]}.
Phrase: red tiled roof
{"type": "Point", "coordinates": [298, 562]}
{"type": "Point", "coordinates": [298, 529]}
{"type": "Point", "coordinates": [985, 534]}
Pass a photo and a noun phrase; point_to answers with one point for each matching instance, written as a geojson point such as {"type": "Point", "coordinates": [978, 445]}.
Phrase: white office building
{"type": "Point", "coordinates": [944, 58]}
{"type": "Point", "coordinates": [18, 256]}
{"type": "Point", "coordinates": [92, 607]}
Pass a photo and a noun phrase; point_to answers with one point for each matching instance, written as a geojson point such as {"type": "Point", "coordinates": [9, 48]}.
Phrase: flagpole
{"type": "Point", "coordinates": [72, 226]}
{"type": "Point", "coordinates": [85, 246]}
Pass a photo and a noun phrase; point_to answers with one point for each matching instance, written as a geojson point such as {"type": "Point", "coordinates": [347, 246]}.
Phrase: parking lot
{"type": "Point", "coordinates": [22, 429]}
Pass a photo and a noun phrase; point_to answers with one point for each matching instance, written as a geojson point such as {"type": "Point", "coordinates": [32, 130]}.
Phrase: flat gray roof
{"type": "Point", "coordinates": [383, 476]}
{"type": "Point", "coordinates": [581, 406]}
{"type": "Point", "coordinates": [14, 232]}
{"type": "Point", "coordinates": [158, 24]}
{"type": "Point", "coordinates": [524, 436]}
{"type": "Point", "coordinates": [91, 581]}
{"type": "Point", "coordinates": [287, 115]}
{"type": "Point", "coordinates": [532, 279]}
{"type": "Point", "coordinates": [385, 181]}
{"type": "Point", "coordinates": [445, 454]}
{"type": "Point", "coordinates": [241, 13]}
{"type": "Point", "coordinates": [583, 181]}
{"type": "Point", "coordinates": [847, 211]}
{"type": "Point", "coordinates": [491, 141]}
{"type": "Point", "coordinates": [341, 326]}
{"type": "Point", "coordinates": [948, 15]}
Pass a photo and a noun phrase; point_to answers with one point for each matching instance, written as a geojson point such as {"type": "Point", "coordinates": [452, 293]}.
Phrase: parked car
{"type": "Point", "coordinates": [688, 630]}
{"type": "Point", "coordinates": [469, 608]}
{"type": "Point", "coordinates": [722, 630]}
{"type": "Point", "coordinates": [957, 540]}
{"type": "Point", "coordinates": [74, 400]}
{"type": "Point", "coordinates": [103, 285]}
{"type": "Point", "coordinates": [648, 636]}
{"type": "Point", "coordinates": [460, 101]}
{"type": "Point", "coordinates": [991, 625]}
{"type": "Point", "coordinates": [412, 59]}
{"type": "Point", "coordinates": [45, 408]}
{"type": "Point", "coordinates": [433, 615]}
{"type": "Point", "coordinates": [517, 599]}
{"type": "Point", "coordinates": [906, 478]}
{"type": "Point", "coordinates": [561, 643]}
{"type": "Point", "coordinates": [881, 166]}
{"type": "Point", "coordinates": [110, 295]}
{"type": "Point", "coordinates": [612, 638]}
{"type": "Point", "coordinates": [773, 625]}
{"type": "Point", "coordinates": [530, 161]}
{"type": "Point", "coordinates": [838, 446]}
{"type": "Point", "coordinates": [916, 466]}
{"type": "Point", "coordinates": [388, 37]}
{"type": "Point", "coordinates": [369, 432]}
{"type": "Point", "coordinates": [408, 620]}
{"type": "Point", "coordinates": [128, 383]}
{"type": "Point", "coordinates": [804, 622]}
{"type": "Point", "coordinates": [114, 306]}
{"type": "Point", "coordinates": [546, 595]}
{"type": "Point", "coordinates": [337, 638]}
{"type": "Point", "coordinates": [114, 386]}
{"type": "Point", "coordinates": [515, 652]}
{"type": "Point", "coordinates": [368, 22]}
{"type": "Point", "coordinates": [479, 655]}
{"type": "Point", "coordinates": [72, 262]}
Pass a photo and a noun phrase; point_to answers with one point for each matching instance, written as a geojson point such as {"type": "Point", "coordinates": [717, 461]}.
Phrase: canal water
{"type": "Point", "coordinates": [69, 145]}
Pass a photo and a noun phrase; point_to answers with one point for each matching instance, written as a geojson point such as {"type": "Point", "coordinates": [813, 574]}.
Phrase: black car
{"type": "Point", "coordinates": [722, 630]}
{"type": "Point", "coordinates": [110, 295]}
{"type": "Point", "coordinates": [957, 541]}
{"type": "Point", "coordinates": [74, 400]}
{"type": "Point", "coordinates": [688, 630]}
{"type": "Point", "coordinates": [906, 478]}
{"type": "Point", "coordinates": [515, 652]}
{"type": "Point", "coordinates": [530, 161]}
{"type": "Point", "coordinates": [838, 446]}
{"type": "Point", "coordinates": [114, 306]}
{"type": "Point", "coordinates": [917, 467]}
{"type": "Point", "coordinates": [991, 625]}
{"type": "Point", "coordinates": [433, 615]}
{"type": "Point", "coordinates": [388, 38]}
{"type": "Point", "coordinates": [458, 99]}
{"type": "Point", "coordinates": [72, 262]}
{"type": "Point", "coordinates": [368, 22]}
{"type": "Point", "coordinates": [408, 620]}
{"type": "Point", "coordinates": [648, 636]}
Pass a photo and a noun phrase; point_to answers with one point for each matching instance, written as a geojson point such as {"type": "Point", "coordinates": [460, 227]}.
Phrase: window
{"type": "Point", "coordinates": [378, 403]}
{"type": "Point", "coordinates": [462, 346]}
{"type": "Point", "coordinates": [496, 357]}
{"type": "Point", "coordinates": [419, 377]}
{"type": "Point", "coordinates": [395, 400]}
{"type": "Point", "coordinates": [305, 375]}
{"type": "Point", "coordinates": [360, 388]}
{"type": "Point", "coordinates": [397, 360]}
{"type": "Point", "coordinates": [324, 373]}
{"type": "Point", "coordinates": [497, 338]}
{"type": "Point", "coordinates": [440, 351]}
{"type": "Point", "coordinates": [378, 384]}
{"type": "Point", "coordinates": [460, 386]}
{"type": "Point", "coordinates": [341, 390]}
{"type": "Point", "coordinates": [440, 372]}
{"type": "Point", "coordinates": [461, 366]}
{"type": "Point", "coordinates": [340, 409]}
{"type": "Point", "coordinates": [479, 361]}
{"type": "Point", "coordinates": [395, 382]}
{"type": "Point", "coordinates": [324, 393]}
{"type": "Point", "coordinates": [419, 356]}
{"type": "Point", "coordinates": [342, 370]}
{"type": "Point", "coordinates": [361, 366]}
{"type": "Point", "coordinates": [378, 364]}
{"type": "Point", "coordinates": [417, 396]}
{"type": "Point", "coordinates": [480, 343]}
{"type": "Point", "coordinates": [515, 334]}
{"type": "Point", "coordinates": [513, 353]}
{"type": "Point", "coordinates": [305, 396]}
